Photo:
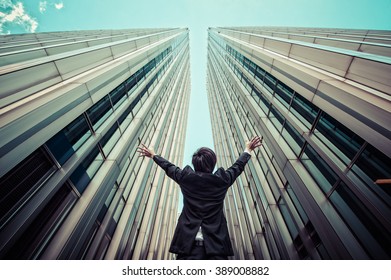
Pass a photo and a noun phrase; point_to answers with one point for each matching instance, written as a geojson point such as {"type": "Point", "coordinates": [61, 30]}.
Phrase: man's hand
{"type": "Point", "coordinates": [253, 143]}
{"type": "Point", "coordinates": [145, 151]}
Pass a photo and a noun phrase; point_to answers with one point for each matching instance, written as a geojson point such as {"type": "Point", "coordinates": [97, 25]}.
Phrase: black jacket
{"type": "Point", "coordinates": [203, 200]}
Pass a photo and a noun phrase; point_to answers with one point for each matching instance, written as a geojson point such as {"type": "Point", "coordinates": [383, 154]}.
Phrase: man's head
{"type": "Point", "coordinates": [204, 160]}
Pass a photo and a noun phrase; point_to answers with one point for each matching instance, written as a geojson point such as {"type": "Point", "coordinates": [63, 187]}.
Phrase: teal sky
{"type": "Point", "coordinates": [64, 15]}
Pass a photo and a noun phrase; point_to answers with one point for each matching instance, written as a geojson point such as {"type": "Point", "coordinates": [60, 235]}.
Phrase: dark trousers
{"type": "Point", "coordinates": [198, 253]}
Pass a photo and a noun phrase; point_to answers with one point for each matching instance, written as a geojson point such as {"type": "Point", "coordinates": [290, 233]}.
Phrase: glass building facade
{"type": "Point", "coordinates": [320, 186]}
{"type": "Point", "coordinates": [74, 107]}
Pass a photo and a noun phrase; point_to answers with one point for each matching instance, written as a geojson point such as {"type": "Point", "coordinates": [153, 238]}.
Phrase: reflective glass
{"type": "Point", "coordinates": [118, 96]}
{"type": "Point", "coordinates": [270, 82]}
{"type": "Point", "coordinates": [67, 141]}
{"type": "Point", "coordinates": [259, 74]}
{"type": "Point", "coordinates": [40, 231]}
{"type": "Point", "coordinates": [371, 166]}
{"type": "Point", "coordinates": [100, 112]}
{"type": "Point", "coordinates": [284, 94]}
{"type": "Point", "coordinates": [83, 174]}
{"type": "Point", "coordinates": [109, 140]}
{"type": "Point", "coordinates": [297, 204]}
{"type": "Point", "coordinates": [276, 118]}
{"type": "Point", "coordinates": [293, 138]}
{"type": "Point", "coordinates": [290, 223]}
{"type": "Point", "coordinates": [372, 235]}
{"type": "Point", "coordinates": [304, 110]}
{"type": "Point", "coordinates": [340, 138]}
{"type": "Point", "coordinates": [24, 179]}
{"type": "Point", "coordinates": [318, 168]}
{"type": "Point", "coordinates": [131, 83]}
{"type": "Point", "coordinates": [263, 103]}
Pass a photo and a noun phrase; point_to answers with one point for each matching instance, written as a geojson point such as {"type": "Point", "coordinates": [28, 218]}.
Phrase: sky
{"type": "Point", "coordinates": [26, 16]}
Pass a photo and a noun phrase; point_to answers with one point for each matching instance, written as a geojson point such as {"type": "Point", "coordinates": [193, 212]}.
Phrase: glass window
{"type": "Point", "coordinates": [106, 206]}
{"type": "Point", "coordinates": [116, 216]}
{"type": "Point", "coordinates": [22, 180]}
{"type": "Point", "coordinates": [246, 82]}
{"type": "Point", "coordinates": [140, 75]}
{"type": "Point", "coordinates": [297, 204]}
{"type": "Point", "coordinates": [100, 112]}
{"type": "Point", "coordinates": [125, 119]}
{"type": "Point", "coordinates": [340, 138]}
{"type": "Point", "coordinates": [109, 140]}
{"type": "Point", "coordinates": [293, 138]}
{"type": "Point", "coordinates": [150, 65]}
{"type": "Point", "coordinates": [259, 74]}
{"type": "Point", "coordinates": [131, 83]}
{"type": "Point", "coordinates": [276, 118]}
{"type": "Point", "coordinates": [301, 250]}
{"type": "Point", "coordinates": [245, 63]}
{"type": "Point", "coordinates": [263, 102]}
{"type": "Point", "coordinates": [372, 235]}
{"type": "Point", "coordinates": [304, 110]}
{"type": "Point", "coordinates": [35, 238]}
{"type": "Point", "coordinates": [252, 67]}
{"type": "Point", "coordinates": [67, 141]}
{"type": "Point", "coordinates": [290, 223]}
{"type": "Point", "coordinates": [118, 96]}
{"type": "Point", "coordinates": [269, 82]}
{"type": "Point", "coordinates": [318, 168]}
{"type": "Point", "coordinates": [373, 165]}
{"type": "Point", "coordinates": [87, 169]}
{"type": "Point", "coordinates": [283, 94]}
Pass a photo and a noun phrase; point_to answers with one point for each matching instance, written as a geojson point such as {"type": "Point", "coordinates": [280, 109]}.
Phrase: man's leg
{"type": "Point", "coordinates": [197, 253]}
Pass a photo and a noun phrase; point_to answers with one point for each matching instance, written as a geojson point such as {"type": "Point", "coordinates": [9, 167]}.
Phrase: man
{"type": "Point", "coordinates": [202, 231]}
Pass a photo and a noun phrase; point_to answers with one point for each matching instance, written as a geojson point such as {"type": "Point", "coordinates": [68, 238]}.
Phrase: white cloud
{"type": "Point", "coordinates": [59, 6]}
{"type": "Point", "coordinates": [5, 3]}
{"type": "Point", "coordinates": [15, 15]}
{"type": "Point", "coordinates": [42, 6]}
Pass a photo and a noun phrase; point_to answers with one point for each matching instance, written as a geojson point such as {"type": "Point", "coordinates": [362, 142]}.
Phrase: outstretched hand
{"type": "Point", "coordinates": [254, 143]}
{"type": "Point", "coordinates": [145, 151]}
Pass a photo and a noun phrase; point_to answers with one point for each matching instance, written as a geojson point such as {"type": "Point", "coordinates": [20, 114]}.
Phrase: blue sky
{"type": "Point", "coordinates": [64, 15]}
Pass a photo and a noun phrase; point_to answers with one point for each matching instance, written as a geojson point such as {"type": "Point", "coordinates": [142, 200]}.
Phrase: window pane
{"type": "Point", "coordinates": [304, 110]}
{"type": "Point", "coordinates": [283, 94]}
{"type": "Point", "coordinates": [372, 235]}
{"type": "Point", "coordinates": [150, 65]}
{"type": "Point", "coordinates": [340, 138]}
{"type": "Point", "coordinates": [246, 82]}
{"type": "Point", "coordinates": [38, 234]}
{"type": "Point", "coordinates": [319, 169]}
{"type": "Point", "coordinates": [131, 83]}
{"type": "Point", "coordinates": [270, 82]}
{"type": "Point", "coordinates": [290, 223]}
{"type": "Point", "coordinates": [118, 96]}
{"type": "Point", "coordinates": [67, 141]}
{"type": "Point", "coordinates": [259, 74]}
{"type": "Point", "coordinates": [109, 140]}
{"type": "Point", "coordinates": [264, 103]}
{"type": "Point", "coordinates": [83, 174]}
{"type": "Point", "coordinates": [297, 204]}
{"type": "Point", "coordinates": [22, 180]}
{"type": "Point", "coordinates": [140, 75]}
{"type": "Point", "coordinates": [100, 112]}
{"type": "Point", "coordinates": [371, 166]}
{"type": "Point", "coordinates": [293, 138]}
{"type": "Point", "coordinates": [276, 118]}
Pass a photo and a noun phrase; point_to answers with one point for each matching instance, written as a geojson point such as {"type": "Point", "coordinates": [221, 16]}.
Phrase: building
{"type": "Point", "coordinates": [320, 187]}
{"type": "Point", "coordinates": [74, 107]}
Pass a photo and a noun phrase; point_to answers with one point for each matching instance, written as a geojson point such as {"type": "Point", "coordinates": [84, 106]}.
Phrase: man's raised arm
{"type": "Point", "coordinates": [237, 168]}
{"type": "Point", "coordinates": [172, 171]}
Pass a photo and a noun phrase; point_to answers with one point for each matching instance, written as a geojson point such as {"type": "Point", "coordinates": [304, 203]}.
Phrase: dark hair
{"type": "Point", "coordinates": [204, 160]}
